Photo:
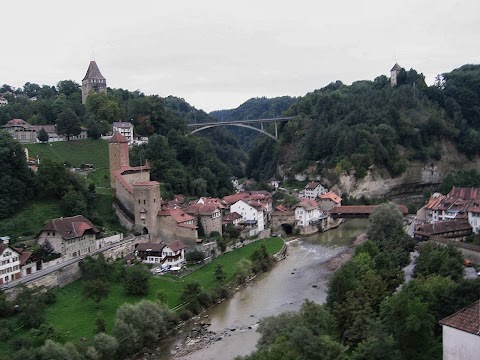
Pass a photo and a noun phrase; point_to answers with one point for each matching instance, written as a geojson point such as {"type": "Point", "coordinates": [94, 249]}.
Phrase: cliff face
{"type": "Point", "coordinates": [418, 176]}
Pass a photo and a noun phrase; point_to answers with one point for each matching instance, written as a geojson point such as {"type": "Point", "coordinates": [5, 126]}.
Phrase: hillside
{"type": "Point", "coordinates": [369, 132]}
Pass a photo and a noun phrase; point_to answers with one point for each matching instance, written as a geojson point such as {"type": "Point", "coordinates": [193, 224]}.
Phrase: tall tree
{"type": "Point", "coordinates": [68, 123]}
{"type": "Point", "coordinates": [42, 136]}
{"type": "Point", "coordinates": [16, 179]}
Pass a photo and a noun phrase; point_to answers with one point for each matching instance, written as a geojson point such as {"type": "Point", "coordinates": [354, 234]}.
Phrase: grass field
{"type": "Point", "coordinates": [76, 152]}
{"type": "Point", "coordinates": [76, 316]}
{"type": "Point", "coordinates": [28, 222]}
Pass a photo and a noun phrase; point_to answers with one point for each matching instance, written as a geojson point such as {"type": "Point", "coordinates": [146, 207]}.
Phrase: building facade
{"type": "Point", "coordinates": [70, 236]}
{"type": "Point", "coordinates": [9, 264]}
{"type": "Point", "coordinates": [125, 128]}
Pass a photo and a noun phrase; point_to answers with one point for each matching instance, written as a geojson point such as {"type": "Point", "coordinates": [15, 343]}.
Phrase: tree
{"type": "Point", "coordinates": [16, 185]}
{"type": "Point", "coordinates": [435, 259]}
{"type": "Point", "coordinates": [243, 270]}
{"type": "Point", "coordinates": [136, 281]}
{"type": "Point", "coordinates": [100, 324]}
{"type": "Point", "coordinates": [97, 290]}
{"type": "Point", "coordinates": [73, 203]}
{"type": "Point", "coordinates": [386, 230]}
{"type": "Point", "coordinates": [94, 131]}
{"type": "Point", "coordinates": [219, 274]}
{"type": "Point", "coordinates": [201, 229]}
{"type": "Point", "coordinates": [42, 136]}
{"type": "Point", "coordinates": [106, 346]}
{"type": "Point", "coordinates": [68, 123]}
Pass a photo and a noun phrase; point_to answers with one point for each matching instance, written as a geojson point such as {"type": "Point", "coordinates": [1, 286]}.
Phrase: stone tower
{"type": "Point", "coordinates": [93, 81]}
{"type": "Point", "coordinates": [147, 204]}
{"type": "Point", "coordinates": [393, 74]}
{"type": "Point", "coordinates": [117, 155]}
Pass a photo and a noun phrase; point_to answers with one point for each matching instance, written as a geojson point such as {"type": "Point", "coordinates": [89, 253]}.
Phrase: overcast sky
{"type": "Point", "coordinates": [218, 54]}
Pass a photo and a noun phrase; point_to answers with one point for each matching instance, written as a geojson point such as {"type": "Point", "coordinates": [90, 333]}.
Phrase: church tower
{"type": "Point", "coordinates": [393, 74]}
{"type": "Point", "coordinates": [93, 81]}
{"type": "Point", "coordinates": [117, 155]}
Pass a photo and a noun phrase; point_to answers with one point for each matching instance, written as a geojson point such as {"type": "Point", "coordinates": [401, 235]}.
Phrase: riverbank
{"type": "Point", "coordinates": [344, 257]}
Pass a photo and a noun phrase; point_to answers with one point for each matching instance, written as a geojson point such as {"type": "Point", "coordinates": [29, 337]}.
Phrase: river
{"type": "Point", "coordinates": [300, 276]}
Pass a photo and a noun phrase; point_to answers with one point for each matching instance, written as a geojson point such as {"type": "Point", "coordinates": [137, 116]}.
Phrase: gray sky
{"type": "Point", "coordinates": [218, 54]}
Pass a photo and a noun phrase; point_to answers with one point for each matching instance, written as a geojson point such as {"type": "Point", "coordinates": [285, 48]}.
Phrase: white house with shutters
{"type": "Point", "coordinates": [252, 212]}
{"type": "Point", "coordinates": [312, 190]}
{"type": "Point", "coordinates": [9, 264]}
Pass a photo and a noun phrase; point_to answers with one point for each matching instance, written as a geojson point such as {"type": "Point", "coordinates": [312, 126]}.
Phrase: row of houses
{"type": "Point", "coordinates": [26, 133]}
{"type": "Point", "coordinates": [455, 215]}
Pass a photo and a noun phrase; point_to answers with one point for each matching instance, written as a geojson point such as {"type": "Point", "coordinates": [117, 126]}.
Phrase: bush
{"type": "Point", "coordinates": [185, 314]}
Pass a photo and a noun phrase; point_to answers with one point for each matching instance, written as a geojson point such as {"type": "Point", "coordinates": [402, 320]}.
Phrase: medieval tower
{"type": "Point", "coordinates": [93, 81]}
{"type": "Point", "coordinates": [393, 74]}
{"type": "Point", "coordinates": [117, 155]}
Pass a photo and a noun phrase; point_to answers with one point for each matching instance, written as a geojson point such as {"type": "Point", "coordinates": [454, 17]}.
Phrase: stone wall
{"type": "Point", "coordinates": [122, 218]}
{"type": "Point", "coordinates": [124, 196]}
{"type": "Point", "coordinates": [169, 231]}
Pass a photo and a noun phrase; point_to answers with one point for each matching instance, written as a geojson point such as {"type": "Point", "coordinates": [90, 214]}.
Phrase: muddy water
{"type": "Point", "coordinates": [300, 276]}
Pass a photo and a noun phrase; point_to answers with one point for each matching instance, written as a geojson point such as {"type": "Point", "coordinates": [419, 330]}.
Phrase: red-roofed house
{"type": "Point", "coordinates": [21, 130]}
{"type": "Point", "coordinates": [173, 222]}
{"type": "Point", "coordinates": [461, 334]}
{"type": "Point", "coordinates": [232, 218]}
{"type": "Point", "coordinates": [209, 214]}
{"type": "Point", "coordinates": [329, 200]}
{"type": "Point", "coordinates": [70, 236]}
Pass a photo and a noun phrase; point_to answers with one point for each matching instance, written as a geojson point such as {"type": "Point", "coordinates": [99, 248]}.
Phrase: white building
{"type": "Point", "coordinates": [312, 190]}
{"type": "Point", "coordinates": [474, 219]}
{"type": "Point", "coordinates": [251, 212]}
{"type": "Point", "coordinates": [167, 255]}
{"type": "Point", "coordinates": [3, 101]}
{"type": "Point", "coordinates": [9, 264]}
{"type": "Point", "coordinates": [70, 236]}
{"type": "Point", "coordinates": [461, 335]}
{"type": "Point", "coordinates": [307, 213]}
{"type": "Point", "coordinates": [125, 128]}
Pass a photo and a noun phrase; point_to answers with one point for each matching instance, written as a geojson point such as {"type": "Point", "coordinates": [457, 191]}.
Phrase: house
{"type": "Point", "coordinates": [21, 130]}
{"type": "Point", "coordinates": [3, 101]}
{"type": "Point", "coordinates": [329, 200]}
{"type": "Point", "coordinates": [9, 264]}
{"type": "Point", "coordinates": [166, 255]}
{"type": "Point", "coordinates": [453, 229]}
{"type": "Point", "coordinates": [473, 214]}
{"type": "Point", "coordinates": [232, 218]}
{"type": "Point", "coordinates": [174, 222]}
{"type": "Point", "coordinates": [70, 236]}
{"type": "Point", "coordinates": [461, 335]}
{"type": "Point", "coordinates": [125, 128]}
{"type": "Point", "coordinates": [252, 213]}
{"type": "Point", "coordinates": [28, 263]}
{"type": "Point", "coordinates": [394, 73]}
{"type": "Point", "coordinates": [209, 215]}
{"type": "Point", "coordinates": [307, 212]}
{"type": "Point", "coordinates": [313, 190]}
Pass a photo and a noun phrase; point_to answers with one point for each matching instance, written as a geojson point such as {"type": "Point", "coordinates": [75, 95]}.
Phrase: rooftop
{"type": "Point", "coordinates": [466, 319]}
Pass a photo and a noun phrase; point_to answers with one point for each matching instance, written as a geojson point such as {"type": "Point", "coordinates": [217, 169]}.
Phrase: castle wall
{"type": "Point", "coordinates": [117, 157]}
{"type": "Point", "coordinates": [137, 177]}
{"type": "Point", "coordinates": [169, 231]}
{"type": "Point", "coordinates": [147, 204]}
{"type": "Point", "coordinates": [125, 196]}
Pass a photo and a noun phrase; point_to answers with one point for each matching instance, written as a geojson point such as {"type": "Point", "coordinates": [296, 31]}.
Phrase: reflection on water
{"type": "Point", "coordinates": [300, 276]}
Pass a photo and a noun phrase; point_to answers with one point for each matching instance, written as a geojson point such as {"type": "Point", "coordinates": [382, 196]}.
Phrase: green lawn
{"type": "Point", "coordinates": [76, 317]}
{"type": "Point", "coordinates": [76, 152]}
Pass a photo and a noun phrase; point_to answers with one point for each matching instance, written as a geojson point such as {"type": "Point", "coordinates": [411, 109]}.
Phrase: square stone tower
{"type": "Point", "coordinates": [117, 155]}
{"type": "Point", "coordinates": [147, 203]}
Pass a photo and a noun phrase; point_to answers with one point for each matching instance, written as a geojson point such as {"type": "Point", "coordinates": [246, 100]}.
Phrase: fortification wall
{"type": "Point", "coordinates": [137, 177]}
{"type": "Point", "coordinates": [125, 197]}
{"type": "Point", "coordinates": [169, 231]}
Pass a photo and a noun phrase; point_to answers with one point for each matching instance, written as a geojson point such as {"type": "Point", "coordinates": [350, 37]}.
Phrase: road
{"type": "Point", "coordinates": [44, 272]}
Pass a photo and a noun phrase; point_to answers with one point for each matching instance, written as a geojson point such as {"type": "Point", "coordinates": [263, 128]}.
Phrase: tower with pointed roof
{"type": "Point", "coordinates": [393, 74]}
{"type": "Point", "coordinates": [93, 81]}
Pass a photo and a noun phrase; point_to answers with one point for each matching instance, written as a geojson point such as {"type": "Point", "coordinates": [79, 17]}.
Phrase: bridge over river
{"type": "Point", "coordinates": [254, 124]}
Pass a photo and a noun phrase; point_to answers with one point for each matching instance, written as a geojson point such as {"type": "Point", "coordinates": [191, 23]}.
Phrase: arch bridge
{"type": "Point", "coordinates": [249, 124]}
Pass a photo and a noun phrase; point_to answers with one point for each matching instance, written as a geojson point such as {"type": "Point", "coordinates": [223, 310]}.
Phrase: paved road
{"type": "Point", "coordinates": [53, 268]}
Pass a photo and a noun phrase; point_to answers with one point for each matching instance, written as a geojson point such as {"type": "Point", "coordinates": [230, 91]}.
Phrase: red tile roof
{"type": "Point", "coordinates": [177, 214]}
{"type": "Point", "coordinates": [71, 227]}
{"type": "Point", "coordinates": [467, 319]}
{"type": "Point", "coordinates": [230, 218]}
{"type": "Point", "coordinates": [202, 209]}
{"type": "Point", "coordinates": [176, 245]}
{"type": "Point", "coordinates": [464, 193]}
{"type": "Point", "coordinates": [443, 227]}
{"type": "Point", "coordinates": [331, 196]}
{"type": "Point", "coordinates": [118, 138]}
{"type": "Point", "coordinates": [150, 247]}
{"type": "Point", "coordinates": [307, 204]}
